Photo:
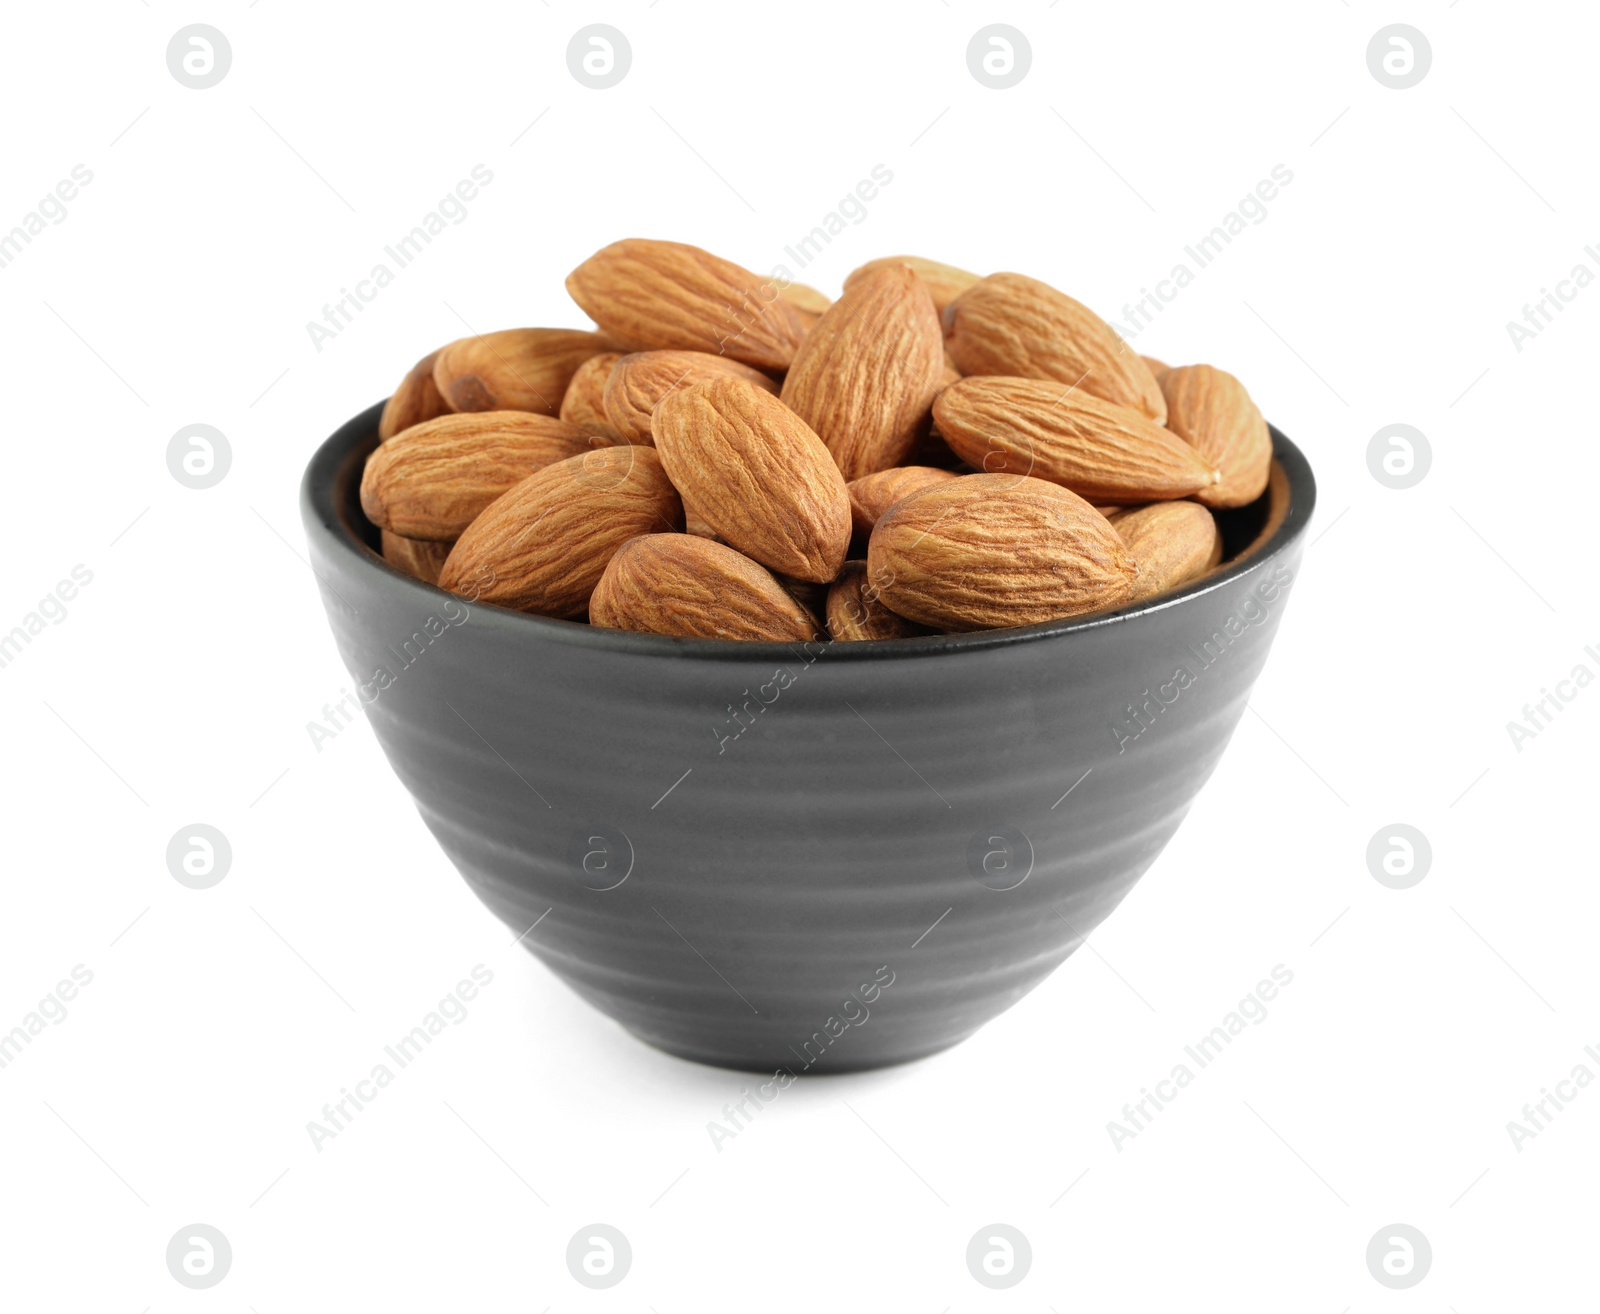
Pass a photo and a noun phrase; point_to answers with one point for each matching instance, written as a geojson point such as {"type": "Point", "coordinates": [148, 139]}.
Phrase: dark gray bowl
{"type": "Point", "coordinates": [770, 857]}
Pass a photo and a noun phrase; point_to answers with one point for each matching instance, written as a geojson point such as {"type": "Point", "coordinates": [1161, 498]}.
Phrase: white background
{"type": "Point", "coordinates": [178, 687]}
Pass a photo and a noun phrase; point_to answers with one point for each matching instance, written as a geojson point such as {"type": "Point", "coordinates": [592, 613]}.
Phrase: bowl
{"type": "Point", "coordinates": [803, 858]}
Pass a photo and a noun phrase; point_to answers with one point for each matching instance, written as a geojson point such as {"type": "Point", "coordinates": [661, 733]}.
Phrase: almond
{"type": "Point", "coordinates": [987, 551]}
{"type": "Point", "coordinates": [514, 369]}
{"type": "Point", "coordinates": [944, 282]}
{"type": "Point", "coordinates": [873, 494]}
{"type": "Point", "coordinates": [418, 559]}
{"type": "Point", "coordinates": [1103, 452]}
{"type": "Point", "coordinates": [643, 378]}
{"type": "Point", "coordinates": [692, 524]}
{"type": "Point", "coordinates": [585, 401]}
{"type": "Point", "coordinates": [1012, 324]}
{"type": "Point", "coordinates": [654, 295]}
{"type": "Point", "coordinates": [415, 400]}
{"type": "Point", "coordinates": [752, 470]}
{"type": "Point", "coordinates": [1157, 368]}
{"type": "Point", "coordinates": [866, 375]}
{"type": "Point", "coordinates": [432, 480]}
{"type": "Point", "coordinates": [1211, 410]}
{"type": "Point", "coordinates": [813, 597]}
{"type": "Point", "coordinates": [856, 612]}
{"type": "Point", "coordinates": [544, 544]}
{"type": "Point", "coordinates": [807, 302]}
{"type": "Point", "coordinates": [679, 584]}
{"type": "Point", "coordinates": [1173, 543]}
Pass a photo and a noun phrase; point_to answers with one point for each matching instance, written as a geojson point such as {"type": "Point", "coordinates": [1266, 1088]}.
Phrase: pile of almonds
{"type": "Point", "coordinates": [731, 457]}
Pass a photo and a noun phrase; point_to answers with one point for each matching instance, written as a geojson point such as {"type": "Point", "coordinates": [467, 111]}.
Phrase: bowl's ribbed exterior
{"type": "Point", "coordinates": [809, 890]}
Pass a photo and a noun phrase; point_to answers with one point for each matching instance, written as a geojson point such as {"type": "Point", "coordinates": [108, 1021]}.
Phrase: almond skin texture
{"type": "Point", "coordinates": [807, 301]}
{"type": "Point", "coordinates": [752, 470]}
{"type": "Point", "coordinates": [643, 378]}
{"type": "Point", "coordinates": [1157, 368]}
{"type": "Point", "coordinates": [856, 613]}
{"type": "Point", "coordinates": [1103, 452]}
{"type": "Point", "coordinates": [1173, 542]}
{"type": "Point", "coordinates": [432, 480]}
{"type": "Point", "coordinates": [584, 403]}
{"type": "Point", "coordinates": [654, 295]}
{"type": "Point", "coordinates": [1211, 410]}
{"type": "Point", "coordinates": [543, 545]}
{"type": "Point", "coordinates": [866, 375]}
{"type": "Point", "coordinates": [944, 282]}
{"type": "Point", "coordinates": [415, 400]}
{"type": "Point", "coordinates": [692, 524]}
{"type": "Point", "coordinates": [679, 584]}
{"type": "Point", "coordinates": [1013, 324]}
{"type": "Point", "coordinates": [514, 369]}
{"type": "Point", "coordinates": [991, 551]}
{"type": "Point", "coordinates": [873, 494]}
{"type": "Point", "coordinates": [418, 559]}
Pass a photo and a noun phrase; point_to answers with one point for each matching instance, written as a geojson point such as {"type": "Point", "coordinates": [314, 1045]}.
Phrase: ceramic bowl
{"type": "Point", "coordinates": [814, 858]}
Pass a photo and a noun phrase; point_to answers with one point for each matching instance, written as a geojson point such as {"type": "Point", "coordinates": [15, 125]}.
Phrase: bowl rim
{"type": "Point", "coordinates": [324, 519]}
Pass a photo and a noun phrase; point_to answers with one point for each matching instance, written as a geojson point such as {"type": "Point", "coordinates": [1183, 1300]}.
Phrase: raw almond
{"type": "Point", "coordinates": [944, 282]}
{"type": "Point", "coordinates": [544, 544]}
{"type": "Point", "coordinates": [1157, 368]}
{"type": "Point", "coordinates": [417, 558]}
{"type": "Point", "coordinates": [856, 612]}
{"type": "Point", "coordinates": [1211, 410]}
{"type": "Point", "coordinates": [415, 400]}
{"type": "Point", "coordinates": [514, 369]}
{"type": "Point", "coordinates": [866, 375]}
{"type": "Point", "coordinates": [752, 470]}
{"type": "Point", "coordinates": [813, 597]}
{"type": "Point", "coordinates": [679, 584]}
{"type": "Point", "coordinates": [585, 401]}
{"type": "Point", "coordinates": [873, 494]}
{"type": "Point", "coordinates": [692, 524]}
{"type": "Point", "coordinates": [1173, 542]}
{"type": "Point", "coordinates": [988, 551]}
{"type": "Point", "coordinates": [641, 379]}
{"type": "Point", "coordinates": [432, 480]}
{"type": "Point", "coordinates": [1103, 452]}
{"type": "Point", "coordinates": [807, 302]}
{"type": "Point", "coordinates": [1013, 324]}
{"type": "Point", "coordinates": [654, 295]}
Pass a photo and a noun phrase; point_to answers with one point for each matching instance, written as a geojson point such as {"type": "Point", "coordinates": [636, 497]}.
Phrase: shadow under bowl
{"type": "Point", "coordinates": [819, 858]}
